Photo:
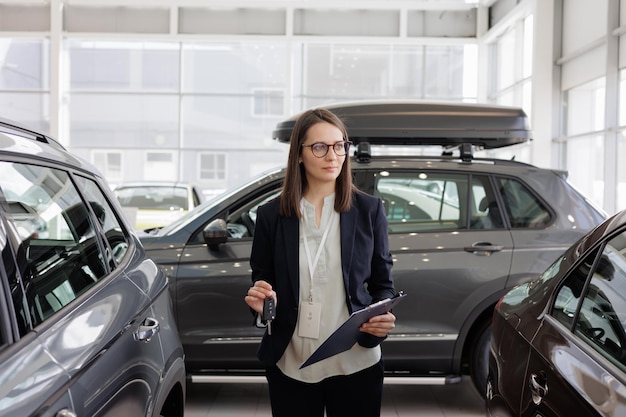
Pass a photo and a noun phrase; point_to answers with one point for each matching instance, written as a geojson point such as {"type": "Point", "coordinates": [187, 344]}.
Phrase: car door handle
{"type": "Point", "coordinates": [147, 330]}
{"type": "Point", "coordinates": [612, 385]}
{"type": "Point", "coordinates": [483, 248]}
{"type": "Point", "coordinates": [65, 413]}
{"type": "Point", "coordinates": [538, 388]}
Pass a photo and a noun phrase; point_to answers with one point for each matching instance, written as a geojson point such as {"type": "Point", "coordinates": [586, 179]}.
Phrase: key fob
{"type": "Point", "coordinates": [269, 309]}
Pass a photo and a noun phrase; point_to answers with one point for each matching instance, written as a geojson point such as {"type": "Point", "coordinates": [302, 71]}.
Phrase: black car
{"type": "Point", "coordinates": [559, 342]}
{"type": "Point", "coordinates": [462, 231]}
{"type": "Point", "coordinates": [86, 319]}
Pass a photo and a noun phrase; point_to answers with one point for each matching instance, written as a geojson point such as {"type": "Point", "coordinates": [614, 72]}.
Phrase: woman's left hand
{"type": "Point", "coordinates": [379, 326]}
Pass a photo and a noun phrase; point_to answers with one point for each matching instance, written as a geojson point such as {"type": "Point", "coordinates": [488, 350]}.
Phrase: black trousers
{"type": "Point", "coordinates": [358, 394]}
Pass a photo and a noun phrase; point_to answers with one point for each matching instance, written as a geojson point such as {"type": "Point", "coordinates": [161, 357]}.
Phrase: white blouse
{"type": "Point", "coordinates": [328, 291]}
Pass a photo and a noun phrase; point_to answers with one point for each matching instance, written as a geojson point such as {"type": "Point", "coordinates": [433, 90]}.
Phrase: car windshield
{"type": "Point", "coordinates": [153, 197]}
{"type": "Point", "coordinates": [200, 210]}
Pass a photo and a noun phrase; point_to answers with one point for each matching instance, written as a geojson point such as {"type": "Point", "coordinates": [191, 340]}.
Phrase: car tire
{"type": "Point", "coordinates": [479, 358]}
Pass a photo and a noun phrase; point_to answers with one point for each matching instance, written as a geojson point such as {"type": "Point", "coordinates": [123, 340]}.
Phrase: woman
{"type": "Point", "coordinates": [321, 251]}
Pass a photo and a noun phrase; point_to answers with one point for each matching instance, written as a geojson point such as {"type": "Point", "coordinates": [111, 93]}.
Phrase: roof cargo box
{"type": "Point", "coordinates": [426, 123]}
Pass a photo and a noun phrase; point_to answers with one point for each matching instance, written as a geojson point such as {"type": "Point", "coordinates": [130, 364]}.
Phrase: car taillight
{"type": "Point", "coordinates": [499, 303]}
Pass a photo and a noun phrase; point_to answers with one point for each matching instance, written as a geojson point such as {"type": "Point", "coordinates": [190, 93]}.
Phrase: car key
{"type": "Point", "coordinates": [269, 313]}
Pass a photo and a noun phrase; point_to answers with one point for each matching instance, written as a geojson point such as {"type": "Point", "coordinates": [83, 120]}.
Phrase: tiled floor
{"type": "Point", "coordinates": [251, 400]}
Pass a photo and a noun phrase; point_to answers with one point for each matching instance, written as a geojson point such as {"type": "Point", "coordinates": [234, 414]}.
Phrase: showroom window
{"type": "Point", "coordinates": [621, 172]}
{"type": "Point", "coordinates": [226, 88]}
{"type": "Point", "coordinates": [340, 72]}
{"type": "Point", "coordinates": [620, 196]}
{"type": "Point", "coordinates": [160, 166]}
{"type": "Point", "coordinates": [109, 164]}
{"type": "Point", "coordinates": [25, 81]}
{"type": "Point", "coordinates": [511, 81]}
{"type": "Point", "coordinates": [212, 166]}
{"type": "Point", "coordinates": [268, 102]}
{"type": "Point", "coordinates": [584, 147]}
{"type": "Point", "coordinates": [125, 95]}
{"type": "Point", "coordinates": [512, 54]}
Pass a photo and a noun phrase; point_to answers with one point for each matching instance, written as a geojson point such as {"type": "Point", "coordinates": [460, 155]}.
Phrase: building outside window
{"type": "Point", "coordinates": [212, 166]}
{"type": "Point", "coordinates": [109, 163]}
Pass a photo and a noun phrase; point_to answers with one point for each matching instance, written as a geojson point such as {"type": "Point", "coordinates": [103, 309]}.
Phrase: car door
{"type": "Point", "coordinates": [577, 364]}
{"type": "Point", "coordinates": [85, 314]}
{"type": "Point", "coordinates": [115, 336]}
{"type": "Point", "coordinates": [215, 325]}
{"type": "Point", "coordinates": [31, 381]}
{"type": "Point", "coordinates": [451, 255]}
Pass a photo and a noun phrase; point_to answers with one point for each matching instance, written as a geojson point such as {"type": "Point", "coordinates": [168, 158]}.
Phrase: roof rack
{"type": "Point", "coordinates": [412, 122]}
{"type": "Point", "coordinates": [13, 128]}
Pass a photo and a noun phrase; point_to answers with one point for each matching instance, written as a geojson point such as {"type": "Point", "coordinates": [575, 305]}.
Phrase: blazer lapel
{"type": "Point", "coordinates": [291, 236]}
{"type": "Point", "coordinates": [347, 226]}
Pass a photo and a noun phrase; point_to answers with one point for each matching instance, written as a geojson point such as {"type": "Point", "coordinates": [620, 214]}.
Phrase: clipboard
{"type": "Point", "coordinates": [347, 334]}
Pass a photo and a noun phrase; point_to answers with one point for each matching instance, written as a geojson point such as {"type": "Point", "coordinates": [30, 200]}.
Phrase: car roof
{"type": "Point", "coordinates": [413, 122]}
{"type": "Point", "coordinates": [18, 140]}
{"type": "Point", "coordinates": [15, 128]}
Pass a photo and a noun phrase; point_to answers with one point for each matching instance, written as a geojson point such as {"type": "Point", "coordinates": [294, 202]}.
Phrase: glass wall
{"type": "Point", "coordinates": [621, 172]}
{"type": "Point", "coordinates": [25, 81]}
{"type": "Point", "coordinates": [621, 144]}
{"type": "Point", "coordinates": [583, 150]}
{"type": "Point", "coordinates": [510, 84]}
{"type": "Point", "coordinates": [203, 112]}
{"type": "Point", "coordinates": [339, 72]}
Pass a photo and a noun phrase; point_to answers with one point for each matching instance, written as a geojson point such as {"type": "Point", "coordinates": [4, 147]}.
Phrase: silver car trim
{"type": "Point", "coordinates": [392, 338]}
{"type": "Point", "coordinates": [241, 379]}
{"type": "Point", "coordinates": [421, 337]}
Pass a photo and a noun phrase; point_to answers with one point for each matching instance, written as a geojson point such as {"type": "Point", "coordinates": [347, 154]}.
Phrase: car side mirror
{"type": "Point", "coordinates": [215, 233]}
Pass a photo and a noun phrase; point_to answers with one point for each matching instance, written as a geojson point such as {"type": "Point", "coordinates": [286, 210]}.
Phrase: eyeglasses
{"type": "Point", "coordinates": [320, 149]}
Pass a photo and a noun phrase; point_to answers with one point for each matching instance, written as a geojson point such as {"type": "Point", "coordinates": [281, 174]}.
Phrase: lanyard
{"type": "Point", "coordinates": [313, 264]}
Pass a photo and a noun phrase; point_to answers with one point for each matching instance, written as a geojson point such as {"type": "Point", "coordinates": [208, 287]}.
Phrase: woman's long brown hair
{"type": "Point", "coordinates": [295, 179]}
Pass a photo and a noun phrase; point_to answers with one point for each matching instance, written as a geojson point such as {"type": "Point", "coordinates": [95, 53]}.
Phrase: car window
{"type": "Point", "coordinates": [569, 295]}
{"type": "Point", "coordinates": [425, 201]}
{"type": "Point", "coordinates": [484, 210]}
{"type": "Point", "coordinates": [242, 221]}
{"type": "Point", "coordinates": [602, 317]}
{"type": "Point", "coordinates": [421, 201]}
{"type": "Point", "coordinates": [113, 232]}
{"type": "Point", "coordinates": [598, 315]}
{"type": "Point", "coordinates": [7, 270]}
{"type": "Point", "coordinates": [523, 208]}
{"type": "Point", "coordinates": [59, 256]}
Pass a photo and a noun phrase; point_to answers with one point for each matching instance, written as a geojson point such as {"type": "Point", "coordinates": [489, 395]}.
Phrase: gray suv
{"type": "Point", "coordinates": [86, 319]}
{"type": "Point", "coordinates": [462, 231]}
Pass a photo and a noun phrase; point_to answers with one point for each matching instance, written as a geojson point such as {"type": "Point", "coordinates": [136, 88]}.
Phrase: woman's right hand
{"type": "Point", "coordinates": [258, 293]}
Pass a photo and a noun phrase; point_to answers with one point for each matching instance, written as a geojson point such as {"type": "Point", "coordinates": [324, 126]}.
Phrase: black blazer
{"type": "Point", "coordinates": [365, 260]}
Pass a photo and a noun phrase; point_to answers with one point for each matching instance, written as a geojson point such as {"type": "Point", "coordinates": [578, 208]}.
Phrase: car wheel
{"type": "Point", "coordinates": [479, 359]}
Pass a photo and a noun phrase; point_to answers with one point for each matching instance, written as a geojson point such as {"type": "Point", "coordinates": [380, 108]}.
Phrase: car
{"type": "Point", "coordinates": [558, 345]}
{"type": "Point", "coordinates": [87, 323]}
{"type": "Point", "coordinates": [462, 231]}
{"type": "Point", "coordinates": [153, 204]}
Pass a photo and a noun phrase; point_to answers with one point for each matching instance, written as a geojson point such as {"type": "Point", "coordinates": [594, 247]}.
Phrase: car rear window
{"type": "Point", "coordinates": [154, 198]}
{"type": "Point", "coordinates": [524, 209]}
